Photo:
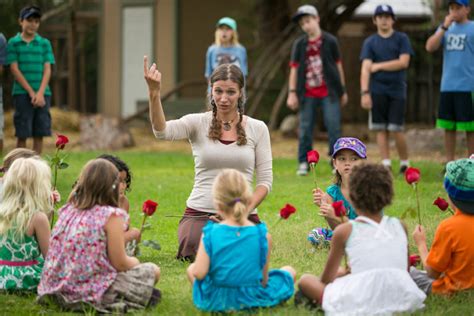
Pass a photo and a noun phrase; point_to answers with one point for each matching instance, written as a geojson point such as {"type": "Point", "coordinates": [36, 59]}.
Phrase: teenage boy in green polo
{"type": "Point", "coordinates": [30, 57]}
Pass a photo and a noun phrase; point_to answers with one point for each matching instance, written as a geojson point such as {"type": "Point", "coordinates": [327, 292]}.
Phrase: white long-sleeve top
{"type": "Point", "coordinates": [212, 156]}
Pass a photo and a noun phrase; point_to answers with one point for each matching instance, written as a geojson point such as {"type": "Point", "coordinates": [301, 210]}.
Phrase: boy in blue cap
{"type": "Point", "coordinates": [316, 80]}
{"type": "Point", "coordinates": [449, 263]}
{"type": "Point", "coordinates": [30, 57]}
{"type": "Point", "coordinates": [385, 57]}
{"type": "Point", "coordinates": [456, 111]}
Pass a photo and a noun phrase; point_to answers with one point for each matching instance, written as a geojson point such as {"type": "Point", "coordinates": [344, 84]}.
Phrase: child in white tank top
{"type": "Point", "coordinates": [377, 249]}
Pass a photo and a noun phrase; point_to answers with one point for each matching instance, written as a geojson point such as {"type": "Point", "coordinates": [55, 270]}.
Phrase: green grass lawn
{"type": "Point", "coordinates": [168, 178]}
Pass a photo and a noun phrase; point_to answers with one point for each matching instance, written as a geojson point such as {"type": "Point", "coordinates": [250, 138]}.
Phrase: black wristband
{"type": "Point", "coordinates": [364, 92]}
{"type": "Point", "coordinates": [292, 91]}
{"type": "Point", "coordinates": [343, 89]}
{"type": "Point", "coordinates": [443, 27]}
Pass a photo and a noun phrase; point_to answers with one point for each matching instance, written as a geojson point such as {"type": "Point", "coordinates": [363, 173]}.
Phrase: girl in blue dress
{"type": "Point", "coordinates": [231, 270]}
{"type": "Point", "coordinates": [348, 152]}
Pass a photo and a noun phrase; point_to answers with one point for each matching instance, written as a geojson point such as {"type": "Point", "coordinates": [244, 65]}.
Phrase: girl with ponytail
{"type": "Point", "coordinates": [223, 137]}
{"type": "Point", "coordinates": [231, 268]}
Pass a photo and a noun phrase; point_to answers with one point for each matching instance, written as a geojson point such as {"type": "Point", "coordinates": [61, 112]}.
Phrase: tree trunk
{"type": "Point", "coordinates": [272, 16]}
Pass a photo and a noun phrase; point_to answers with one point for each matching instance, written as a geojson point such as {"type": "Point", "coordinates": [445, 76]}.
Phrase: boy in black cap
{"type": "Point", "coordinates": [316, 80]}
{"type": "Point", "coordinates": [30, 57]}
{"type": "Point", "coordinates": [385, 57]}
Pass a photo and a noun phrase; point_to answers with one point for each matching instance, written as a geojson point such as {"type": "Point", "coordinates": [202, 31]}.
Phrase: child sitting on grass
{"type": "Point", "coordinates": [125, 184]}
{"type": "Point", "coordinates": [86, 262]}
{"type": "Point", "coordinates": [230, 272]}
{"type": "Point", "coordinates": [377, 252]}
{"type": "Point", "coordinates": [348, 152]}
{"type": "Point", "coordinates": [449, 263]}
{"type": "Point", "coordinates": [24, 225]}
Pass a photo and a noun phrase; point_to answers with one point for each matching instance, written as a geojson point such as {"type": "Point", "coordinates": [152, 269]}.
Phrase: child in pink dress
{"type": "Point", "coordinates": [86, 262]}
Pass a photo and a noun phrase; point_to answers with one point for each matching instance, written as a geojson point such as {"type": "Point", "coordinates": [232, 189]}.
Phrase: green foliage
{"type": "Point", "coordinates": [168, 178]}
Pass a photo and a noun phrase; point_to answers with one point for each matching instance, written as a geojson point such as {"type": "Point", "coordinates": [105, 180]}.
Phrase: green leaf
{"type": "Point", "coordinates": [55, 160]}
{"type": "Point", "coordinates": [151, 244]}
{"type": "Point", "coordinates": [409, 212]}
{"type": "Point", "coordinates": [63, 165]}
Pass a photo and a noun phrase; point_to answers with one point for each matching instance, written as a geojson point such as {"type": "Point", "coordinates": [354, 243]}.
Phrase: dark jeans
{"type": "Point", "coordinates": [307, 116]}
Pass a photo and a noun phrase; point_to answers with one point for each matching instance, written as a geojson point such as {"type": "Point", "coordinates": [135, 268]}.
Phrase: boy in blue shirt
{"type": "Point", "coordinates": [456, 109]}
{"type": "Point", "coordinates": [30, 57]}
{"type": "Point", "coordinates": [385, 57]}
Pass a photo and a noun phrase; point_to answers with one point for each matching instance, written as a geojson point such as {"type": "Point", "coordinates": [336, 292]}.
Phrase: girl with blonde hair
{"type": "Point", "coordinates": [24, 225]}
{"type": "Point", "coordinates": [226, 48]}
{"type": "Point", "coordinates": [231, 271]}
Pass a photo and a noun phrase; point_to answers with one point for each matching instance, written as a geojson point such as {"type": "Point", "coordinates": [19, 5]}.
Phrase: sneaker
{"type": "Point", "coordinates": [320, 237]}
{"type": "Point", "coordinates": [303, 169]}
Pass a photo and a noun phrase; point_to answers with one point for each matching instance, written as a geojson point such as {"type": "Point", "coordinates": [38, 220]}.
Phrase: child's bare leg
{"type": "Point", "coordinates": [401, 143]}
{"type": "Point", "coordinates": [20, 142]}
{"type": "Point", "coordinates": [382, 142]}
{"type": "Point", "coordinates": [450, 144]}
{"type": "Point", "coordinates": [311, 287]}
{"type": "Point", "coordinates": [190, 274]}
{"type": "Point", "coordinates": [38, 144]}
{"type": "Point", "coordinates": [291, 270]}
{"type": "Point", "coordinates": [470, 143]}
{"type": "Point", "coordinates": [157, 273]}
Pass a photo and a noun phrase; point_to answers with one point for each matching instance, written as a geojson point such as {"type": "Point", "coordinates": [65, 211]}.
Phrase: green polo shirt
{"type": "Point", "coordinates": [30, 58]}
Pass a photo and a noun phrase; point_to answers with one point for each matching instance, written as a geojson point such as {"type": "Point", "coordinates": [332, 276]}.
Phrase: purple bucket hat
{"type": "Point", "coordinates": [350, 143]}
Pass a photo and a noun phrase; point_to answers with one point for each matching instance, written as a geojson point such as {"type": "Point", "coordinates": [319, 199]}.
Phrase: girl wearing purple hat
{"type": "Point", "coordinates": [348, 152]}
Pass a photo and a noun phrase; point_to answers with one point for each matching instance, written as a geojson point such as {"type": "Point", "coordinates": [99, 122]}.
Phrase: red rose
{"type": "Point", "coordinates": [412, 175]}
{"type": "Point", "coordinates": [414, 260]}
{"type": "Point", "coordinates": [339, 208]}
{"type": "Point", "coordinates": [312, 156]}
{"type": "Point", "coordinates": [149, 207]}
{"type": "Point", "coordinates": [441, 203]}
{"type": "Point", "coordinates": [61, 141]}
{"type": "Point", "coordinates": [286, 211]}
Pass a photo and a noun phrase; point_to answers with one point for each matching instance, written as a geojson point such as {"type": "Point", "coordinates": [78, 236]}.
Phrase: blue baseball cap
{"type": "Point", "coordinates": [350, 143]}
{"type": "Point", "coordinates": [30, 11]}
{"type": "Point", "coordinates": [464, 3]}
{"type": "Point", "coordinates": [384, 9]}
{"type": "Point", "coordinates": [228, 22]}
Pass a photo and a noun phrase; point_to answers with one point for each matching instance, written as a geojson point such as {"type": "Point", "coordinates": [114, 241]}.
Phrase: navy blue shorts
{"type": "Point", "coordinates": [387, 114]}
{"type": "Point", "coordinates": [31, 121]}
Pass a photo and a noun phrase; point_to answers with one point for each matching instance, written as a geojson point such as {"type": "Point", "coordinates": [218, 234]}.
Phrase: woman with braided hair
{"type": "Point", "coordinates": [220, 138]}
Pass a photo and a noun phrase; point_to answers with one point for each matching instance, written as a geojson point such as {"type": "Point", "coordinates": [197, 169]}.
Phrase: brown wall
{"type": "Point", "coordinates": [196, 27]}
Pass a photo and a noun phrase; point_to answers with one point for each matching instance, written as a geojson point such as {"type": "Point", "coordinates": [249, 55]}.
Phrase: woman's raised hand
{"type": "Point", "coordinates": [152, 76]}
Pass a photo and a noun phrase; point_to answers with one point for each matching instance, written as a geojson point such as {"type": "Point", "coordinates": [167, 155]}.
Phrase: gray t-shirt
{"type": "Point", "coordinates": [212, 156]}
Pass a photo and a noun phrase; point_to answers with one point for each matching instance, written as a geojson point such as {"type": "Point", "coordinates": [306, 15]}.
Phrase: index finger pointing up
{"type": "Point", "coordinates": [145, 64]}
